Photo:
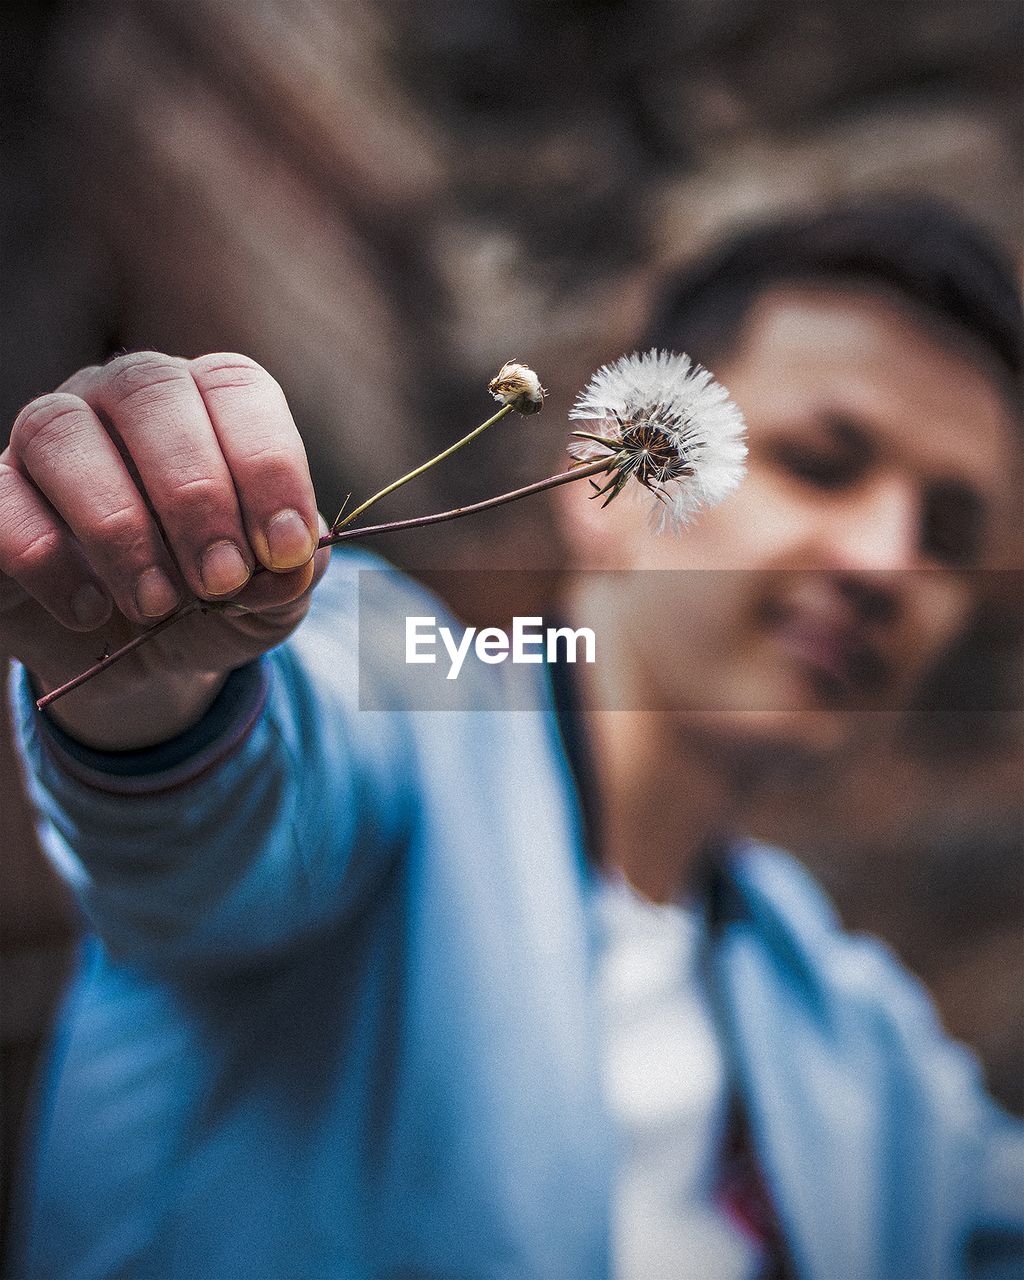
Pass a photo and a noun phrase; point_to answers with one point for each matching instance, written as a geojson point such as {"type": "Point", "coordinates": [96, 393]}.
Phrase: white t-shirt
{"type": "Point", "coordinates": [665, 1082]}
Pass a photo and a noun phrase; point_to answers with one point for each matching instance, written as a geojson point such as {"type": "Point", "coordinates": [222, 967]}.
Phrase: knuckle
{"type": "Point", "coordinates": [274, 463]}
{"type": "Point", "coordinates": [142, 374]}
{"type": "Point", "coordinates": [123, 532]}
{"type": "Point", "coordinates": [44, 417]}
{"type": "Point", "coordinates": [222, 371]}
{"type": "Point", "coordinates": [81, 380]}
{"type": "Point", "coordinates": [199, 496]}
{"type": "Point", "coordinates": [30, 552]}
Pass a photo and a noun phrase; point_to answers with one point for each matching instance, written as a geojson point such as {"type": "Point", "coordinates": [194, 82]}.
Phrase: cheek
{"type": "Point", "coordinates": [757, 528]}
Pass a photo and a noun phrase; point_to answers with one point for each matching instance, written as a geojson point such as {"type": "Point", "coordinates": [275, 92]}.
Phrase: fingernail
{"type": "Point", "coordinates": [289, 540]}
{"type": "Point", "coordinates": [223, 569]}
{"type": "Point", "coordinates": [90, 606]}
{"type": "Point", "coordinates": [154, 594]}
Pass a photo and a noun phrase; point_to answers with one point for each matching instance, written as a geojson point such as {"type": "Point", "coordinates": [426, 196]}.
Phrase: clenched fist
{"type": "Point", "coordinates": [133, 488]}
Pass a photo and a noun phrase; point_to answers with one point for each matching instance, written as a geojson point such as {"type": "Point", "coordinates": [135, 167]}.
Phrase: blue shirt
{"type": "Point", "coordinates": [338, 1017]}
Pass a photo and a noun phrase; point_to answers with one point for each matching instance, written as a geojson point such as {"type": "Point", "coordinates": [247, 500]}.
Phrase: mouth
{"type": "Point", "coordinates": [821, 634]}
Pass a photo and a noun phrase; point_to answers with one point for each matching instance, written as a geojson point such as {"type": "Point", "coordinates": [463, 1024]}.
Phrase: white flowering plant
{"type": "Point", "coordinates": [665, 423]}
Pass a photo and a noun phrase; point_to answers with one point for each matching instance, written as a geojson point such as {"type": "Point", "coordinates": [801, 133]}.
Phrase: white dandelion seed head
{"type": "Point", "coordinates": [674, 428]}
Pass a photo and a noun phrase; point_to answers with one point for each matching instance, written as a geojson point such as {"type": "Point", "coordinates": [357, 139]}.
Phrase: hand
{"type": "Point", "coordinates": [133, 488]}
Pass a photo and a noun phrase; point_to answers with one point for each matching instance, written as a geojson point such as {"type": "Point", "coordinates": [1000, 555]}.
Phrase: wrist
{"type": "Point", "coordinates": [178, 762]}
{"type": "Point", "coordinates": [146, 714]}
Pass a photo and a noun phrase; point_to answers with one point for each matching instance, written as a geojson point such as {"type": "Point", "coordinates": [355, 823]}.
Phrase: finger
{"type": "Point", "coordinates": [38, 552]}
{"type": "Point", "coordinates": [268, 593]}
{"type": "Point", "coordinates": [272, 604]}
{"type": "Point", "coordinates": [60, 445]}
{"type": "Point", "coordinates": [81, 381]}
{"type": "Point", "coordinates": [322, 558]}
{"type": "Point", "coordinates": [265, 454]}
{"type": "Point", "coordinates": [156, 409]}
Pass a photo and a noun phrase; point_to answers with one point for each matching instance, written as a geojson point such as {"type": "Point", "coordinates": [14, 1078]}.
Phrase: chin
{"type": "Point", "coordinates": [769, 741]}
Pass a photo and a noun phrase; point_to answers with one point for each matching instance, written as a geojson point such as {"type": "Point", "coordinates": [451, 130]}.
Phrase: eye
{"type": "Point", "coordinates": [822, 467]}
{"type": "Point", "coordinates": [953, 523]}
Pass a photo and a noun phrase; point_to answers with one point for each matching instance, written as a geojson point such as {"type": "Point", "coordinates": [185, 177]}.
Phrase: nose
{"type": "Point", "coordinates": [877, 530]}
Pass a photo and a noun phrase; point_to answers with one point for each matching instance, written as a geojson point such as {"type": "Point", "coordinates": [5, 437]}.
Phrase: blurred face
{"type": "Point", "coordinates": [818, 594]}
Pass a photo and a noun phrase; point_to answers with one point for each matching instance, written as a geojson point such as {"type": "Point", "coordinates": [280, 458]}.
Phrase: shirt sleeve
{"type": "Point", "coordinates": [274, 817]}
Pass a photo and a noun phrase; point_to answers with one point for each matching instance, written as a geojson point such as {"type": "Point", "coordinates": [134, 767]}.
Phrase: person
{"type": "Point", "coordinates": [375, 992]}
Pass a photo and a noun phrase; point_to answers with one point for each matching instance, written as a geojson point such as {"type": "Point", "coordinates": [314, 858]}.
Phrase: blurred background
{"type": "Point", "coordinates": [381, 202]}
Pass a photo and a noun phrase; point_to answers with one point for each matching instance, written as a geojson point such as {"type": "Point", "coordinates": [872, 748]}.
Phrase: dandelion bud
{"type": "Point", "coordinates": [518, 386]}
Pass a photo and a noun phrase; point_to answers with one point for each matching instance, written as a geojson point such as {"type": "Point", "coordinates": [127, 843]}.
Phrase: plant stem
{"type": "Point", "coordinates": [193, 606]}
{"type": "Point", "coordinates": [456, 513]}
{"type": "Point", "coordinates": [341, 534]}
{"type": "Point", "coordinates": [503, 412]}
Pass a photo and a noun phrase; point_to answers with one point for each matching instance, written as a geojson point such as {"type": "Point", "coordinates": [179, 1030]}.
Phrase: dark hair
{"type": "Point", "coordinates": [917, 248]}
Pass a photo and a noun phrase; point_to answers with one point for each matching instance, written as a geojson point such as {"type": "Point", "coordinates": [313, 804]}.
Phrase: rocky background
{"type": "Point", "coordinates": [382, 201]}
